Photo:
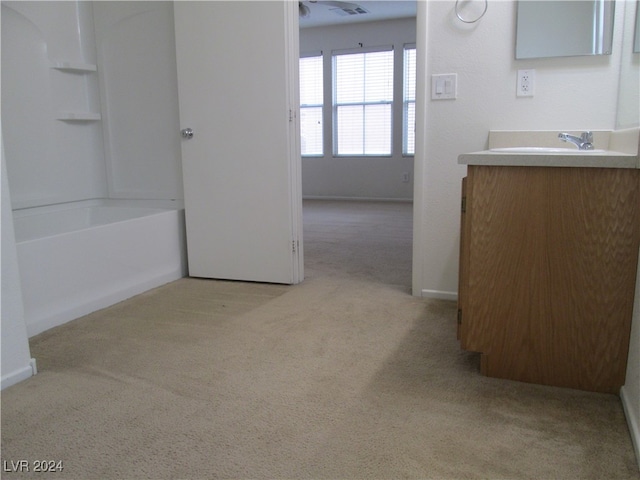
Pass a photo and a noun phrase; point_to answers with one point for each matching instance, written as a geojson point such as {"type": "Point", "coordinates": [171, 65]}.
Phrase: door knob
{"type": "Point", "coordinates": [187, 133]}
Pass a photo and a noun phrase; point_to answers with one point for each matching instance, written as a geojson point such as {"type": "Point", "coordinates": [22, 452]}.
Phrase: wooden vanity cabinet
{"type": "Point", "coordinates": [548, 262]}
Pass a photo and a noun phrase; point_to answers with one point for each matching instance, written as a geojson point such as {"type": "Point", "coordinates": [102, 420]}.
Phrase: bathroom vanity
{"type": "Point", "coordinates": [548, 259]}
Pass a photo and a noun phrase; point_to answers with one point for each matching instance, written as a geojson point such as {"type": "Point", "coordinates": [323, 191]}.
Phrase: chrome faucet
{"type": "Point", "coordinates": [583, 142]}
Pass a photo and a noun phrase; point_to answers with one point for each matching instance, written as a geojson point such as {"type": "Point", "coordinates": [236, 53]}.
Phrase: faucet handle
{"type": "Point", "coordinates": [587, 137]}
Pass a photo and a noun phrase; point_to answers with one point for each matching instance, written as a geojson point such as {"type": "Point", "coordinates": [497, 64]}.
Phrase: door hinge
{"type": "Point", "coordinates": [459, 316]}
{"type": "Point", "coordinates": [293, 246]}
{"type": "Point", "coordinates": [290, 115]}
{"type": "Point", "coordinates": [463, 206]}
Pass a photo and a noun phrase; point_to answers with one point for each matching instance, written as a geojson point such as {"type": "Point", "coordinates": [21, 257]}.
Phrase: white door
{"type": "Point", "coordinates": [237, 83]}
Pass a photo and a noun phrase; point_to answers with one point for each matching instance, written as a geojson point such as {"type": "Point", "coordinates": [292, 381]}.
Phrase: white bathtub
{"type": "Point", "coordinates": [80, 257]}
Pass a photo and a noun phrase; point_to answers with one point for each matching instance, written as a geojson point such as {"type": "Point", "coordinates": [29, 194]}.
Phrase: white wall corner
{"type": "Point", "coordinates": [631, 406]}
{"type": "Point", "coordinates": [630, 392]}
{"type": "Point", "coordinates": [16, 361]}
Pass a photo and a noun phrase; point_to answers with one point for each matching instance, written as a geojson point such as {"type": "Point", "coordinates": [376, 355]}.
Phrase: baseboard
{"type": "Point", "coordinates": [632, 421]}
{"type": "Point", "coordinates": [439, 294]}
{"type": "Point", "coordinates": [357, 199]}
{"type": "Point", "coordinates": [19, 375]}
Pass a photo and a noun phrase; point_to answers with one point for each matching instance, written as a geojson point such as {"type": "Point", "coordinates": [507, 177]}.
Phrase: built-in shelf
{"type": "Point", "coordinates": [74, 66]}
{"type": "Point", "coordinates": [79, 116]}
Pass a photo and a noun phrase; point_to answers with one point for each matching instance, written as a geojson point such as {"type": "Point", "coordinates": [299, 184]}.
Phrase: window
{"type": "Point", "coordinates": [311, 101]}
{"type": "Point", "coordinates": [363, 100]}
{"type": "Point", "coordinates": [409, 101]}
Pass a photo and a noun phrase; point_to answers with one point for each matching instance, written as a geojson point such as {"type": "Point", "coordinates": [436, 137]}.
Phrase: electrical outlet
{"type": "Point", "coordinates": [405, 177]}
{"type": "Point", "coordinates": [526, 83]}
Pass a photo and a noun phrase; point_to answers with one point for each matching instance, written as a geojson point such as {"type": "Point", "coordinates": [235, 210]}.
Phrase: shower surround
{"type": "Point", "coordinates": [92, 150]}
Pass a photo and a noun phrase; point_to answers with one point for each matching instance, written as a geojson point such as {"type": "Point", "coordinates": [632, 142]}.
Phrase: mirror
{"type": "Point", "coordinates": [636, 42]}
{"type": "Point", "coordinates": [628, 114]}
{"type": "Point", "coordinates": [564, 28]}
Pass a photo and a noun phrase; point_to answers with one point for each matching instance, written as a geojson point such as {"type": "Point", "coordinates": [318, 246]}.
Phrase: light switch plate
{"type": "Point", "coordinates": [444, 86]}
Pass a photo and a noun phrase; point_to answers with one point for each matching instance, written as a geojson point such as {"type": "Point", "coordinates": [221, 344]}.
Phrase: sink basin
{"type": "Point", "coordinates": [570, 151]}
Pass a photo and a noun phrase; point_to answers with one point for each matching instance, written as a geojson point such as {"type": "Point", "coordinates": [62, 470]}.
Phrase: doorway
{"type": "Point", "coordinates": [341, 193]}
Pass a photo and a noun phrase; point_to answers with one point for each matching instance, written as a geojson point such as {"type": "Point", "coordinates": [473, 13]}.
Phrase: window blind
{"type": "Point", "coordinates": [363, 100]}
{"type": "Point", "coordinates": [409, 101]}
{"type": "Point", "coordinates": [311, 102]}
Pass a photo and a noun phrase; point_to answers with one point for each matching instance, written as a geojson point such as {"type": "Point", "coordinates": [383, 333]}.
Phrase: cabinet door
{"type": "Point", "coordinates": [502, 222]}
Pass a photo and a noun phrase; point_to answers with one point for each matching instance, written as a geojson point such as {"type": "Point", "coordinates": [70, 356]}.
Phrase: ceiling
{"type": "Point", "coordinates": [322, 13]}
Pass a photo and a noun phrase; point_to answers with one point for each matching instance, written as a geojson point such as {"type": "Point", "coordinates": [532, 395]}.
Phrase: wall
{"type": "Point", "coordinates": [359, 177]}
{"type": "Point", "coordinates": [574, 93]}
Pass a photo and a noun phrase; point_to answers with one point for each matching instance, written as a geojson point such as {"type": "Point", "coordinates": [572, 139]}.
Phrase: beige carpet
{"type": "Point", "coordinates": [343, 376]}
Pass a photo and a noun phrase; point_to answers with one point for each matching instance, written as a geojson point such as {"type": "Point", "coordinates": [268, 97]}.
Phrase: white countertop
{"type": "Point", "coordinates": [618, 149]}
{"type": "Point", "coordinates": [606, 159]}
